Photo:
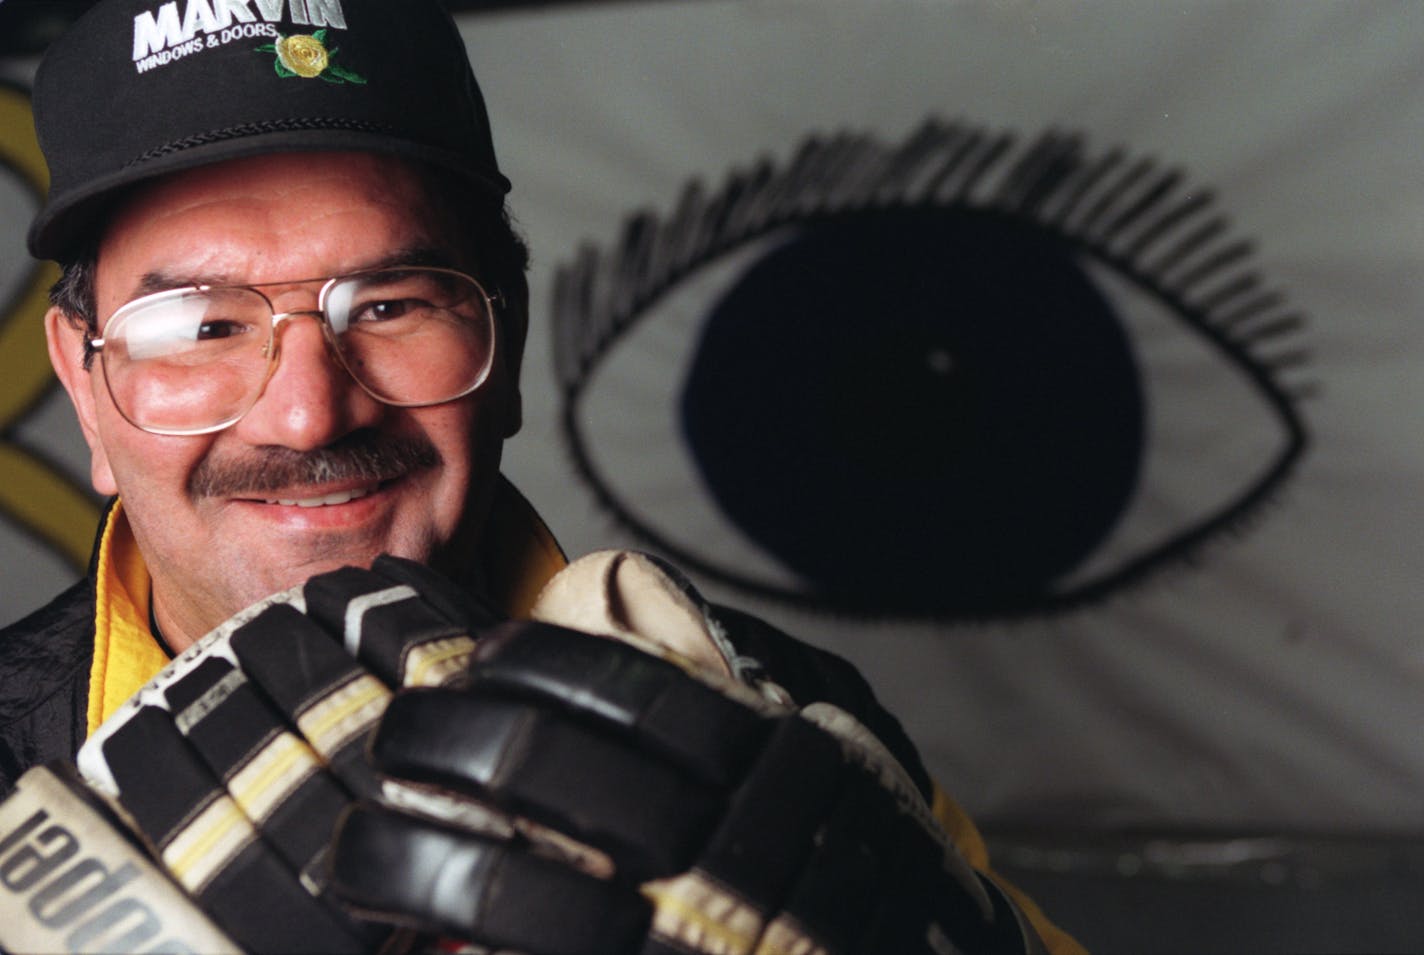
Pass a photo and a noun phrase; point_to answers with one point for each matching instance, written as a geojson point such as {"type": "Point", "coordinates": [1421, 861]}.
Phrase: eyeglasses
{"type": "Point", "coordinates": [195, 360]}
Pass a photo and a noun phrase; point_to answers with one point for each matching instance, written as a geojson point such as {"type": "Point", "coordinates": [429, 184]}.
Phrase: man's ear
{"type": "Point", "coordinates": [66, 354]}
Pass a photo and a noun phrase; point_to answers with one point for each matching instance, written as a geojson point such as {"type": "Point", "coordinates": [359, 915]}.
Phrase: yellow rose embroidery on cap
{"type": "Point", "coordinates": [303, 55]}
{"type": "Point", "coordinates": [307, 57]}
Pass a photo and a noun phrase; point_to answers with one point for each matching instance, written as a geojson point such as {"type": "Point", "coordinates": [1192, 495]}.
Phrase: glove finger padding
{"type": "Point", "coordinates": [747, 827]}
{"type": "Point", "coordinates": [268, 771]}
{"type": "Point", "coordinates": [211, 846]}
{"type": "Point", "coordinates": [562, 727]}
{"type": "Point", "coordinates": [403, 621]}
{"type": "Point", "coordinates": [327, 695]}
{"type": "Point", "coordinates": [236, 762]}
{"type": "Point", "coordinates": [709, 729]}
{"type": "Point", "coordinates": [562, 774]}
{"type": "Point", "coordinates": [411, 871]}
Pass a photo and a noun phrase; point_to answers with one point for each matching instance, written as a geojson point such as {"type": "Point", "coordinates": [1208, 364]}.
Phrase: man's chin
{"type": "Point", "coordinates": [262, 587]}
{"type": "Point", "coordinates": [297, 576]}
{"type": "Point", "coordinates": [265, 585]}
{"type": "Point", "coordinates": [257, 573]}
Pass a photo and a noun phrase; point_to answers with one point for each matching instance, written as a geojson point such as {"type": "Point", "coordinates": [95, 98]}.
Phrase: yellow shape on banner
{"type": "Point", "coordinates": [47, 504]}
{"type": "Point", "coordinates": [42, 500]}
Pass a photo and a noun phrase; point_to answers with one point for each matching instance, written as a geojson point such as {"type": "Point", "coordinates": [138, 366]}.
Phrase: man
{"type": "Point", "coordinates": [291, 322]}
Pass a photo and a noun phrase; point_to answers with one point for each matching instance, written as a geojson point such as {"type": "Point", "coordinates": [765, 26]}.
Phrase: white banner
{"type": "Point", "coordinates": [1056, 363]}
{"type": "Point", "coordinates": [1267, 672]}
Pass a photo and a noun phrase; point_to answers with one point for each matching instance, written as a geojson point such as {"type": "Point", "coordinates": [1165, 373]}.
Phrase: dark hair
{"type": "Point", "coordinates": [484, 226]}
{"type": "Point", "coordinates": [74, 294]}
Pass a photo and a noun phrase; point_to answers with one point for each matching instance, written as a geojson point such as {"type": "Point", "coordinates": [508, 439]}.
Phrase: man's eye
{"type": "Point", "coordinates": [222, 328]}
{"type": "Point", "coordinates": [388, 309]}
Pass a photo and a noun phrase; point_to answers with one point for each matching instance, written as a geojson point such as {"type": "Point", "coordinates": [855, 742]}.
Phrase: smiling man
{"type": "Point", "coordinates": [272, 453]}
{"type": "Point", "coordinates": [291, 321]}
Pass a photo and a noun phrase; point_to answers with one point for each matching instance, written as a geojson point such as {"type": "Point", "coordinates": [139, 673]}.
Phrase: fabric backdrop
{"type": "Point", "coordinates": [1050, 361]}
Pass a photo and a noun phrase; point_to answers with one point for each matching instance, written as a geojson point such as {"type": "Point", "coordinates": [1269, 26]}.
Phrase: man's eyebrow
{"type": "Point", "coordinates": [162, 280]}
{"type": "Point", "coordinates": [416, 255]}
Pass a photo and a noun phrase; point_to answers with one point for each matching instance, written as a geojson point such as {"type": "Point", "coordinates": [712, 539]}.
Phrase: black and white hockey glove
{"type": "Point", "coordinates": [520, 786]}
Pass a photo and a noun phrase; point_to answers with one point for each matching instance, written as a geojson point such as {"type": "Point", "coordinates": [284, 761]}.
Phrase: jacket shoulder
{"type": "Point", "coordinates": [45, 660]}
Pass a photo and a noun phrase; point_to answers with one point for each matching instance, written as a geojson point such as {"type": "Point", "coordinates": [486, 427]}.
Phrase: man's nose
{"type": "Point", "coordinates": [309, 399]}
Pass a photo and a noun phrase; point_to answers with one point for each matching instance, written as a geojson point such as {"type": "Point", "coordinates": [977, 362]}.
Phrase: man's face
{"type": "Point", "coordinates": [213, 541]}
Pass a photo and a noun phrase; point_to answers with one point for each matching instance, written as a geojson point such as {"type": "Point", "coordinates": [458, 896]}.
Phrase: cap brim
{"type": "Point", "coordinates": [69, 219]}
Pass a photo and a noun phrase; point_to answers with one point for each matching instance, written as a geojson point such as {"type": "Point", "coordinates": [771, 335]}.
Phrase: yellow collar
{"type": "Point", "coordinates": [125, 654]}
{"type": "Point", "coordinates": [519, 555]}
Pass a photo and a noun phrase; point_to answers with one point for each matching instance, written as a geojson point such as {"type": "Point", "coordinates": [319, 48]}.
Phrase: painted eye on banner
{"type": "Point", "coordinates": [949, 378]}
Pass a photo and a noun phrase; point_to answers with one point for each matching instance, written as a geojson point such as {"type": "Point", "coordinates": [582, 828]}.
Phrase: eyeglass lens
{"type": "Point", "coordinates": [193, 360]}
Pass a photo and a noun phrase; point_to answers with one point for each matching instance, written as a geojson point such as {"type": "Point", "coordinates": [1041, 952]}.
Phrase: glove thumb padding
{"type": "Point", "coordinates": [638, 599]}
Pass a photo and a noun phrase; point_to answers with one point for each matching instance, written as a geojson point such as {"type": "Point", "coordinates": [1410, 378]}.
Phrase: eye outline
{"type": "Point", "coordinates": [1144, 221]}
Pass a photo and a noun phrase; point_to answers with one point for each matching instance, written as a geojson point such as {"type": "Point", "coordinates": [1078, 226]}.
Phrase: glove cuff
{"type": "Point", "coordinates": [72, 878]}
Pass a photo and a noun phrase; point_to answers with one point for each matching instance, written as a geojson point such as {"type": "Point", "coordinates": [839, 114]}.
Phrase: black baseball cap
{"type": "Point", "coordinates": [140, 88]}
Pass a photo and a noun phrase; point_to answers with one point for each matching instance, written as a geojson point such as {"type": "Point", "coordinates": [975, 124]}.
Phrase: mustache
{"type": "Point", "coordinates": [367, 456]}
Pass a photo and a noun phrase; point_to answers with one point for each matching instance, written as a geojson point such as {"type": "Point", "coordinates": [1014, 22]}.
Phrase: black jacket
{"type": "Point", "coordinates": [45, 661]}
